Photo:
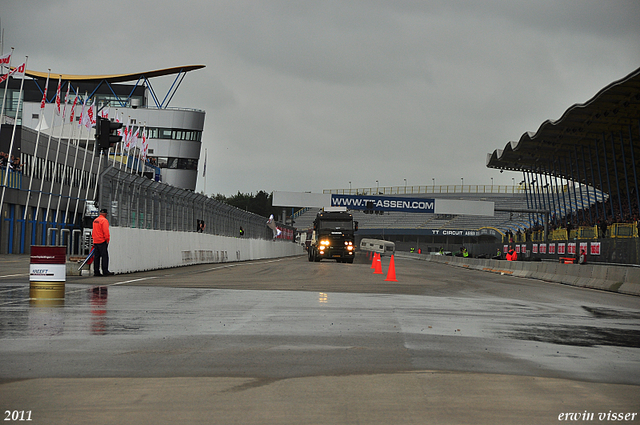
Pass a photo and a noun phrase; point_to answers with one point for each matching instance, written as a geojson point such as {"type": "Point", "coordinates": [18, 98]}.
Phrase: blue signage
{"type": "Point", "coordinates": [384, 203]}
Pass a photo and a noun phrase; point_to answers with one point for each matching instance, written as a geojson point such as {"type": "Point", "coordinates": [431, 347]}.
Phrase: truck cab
{"type": "Point", "coordinates": [333, 237]}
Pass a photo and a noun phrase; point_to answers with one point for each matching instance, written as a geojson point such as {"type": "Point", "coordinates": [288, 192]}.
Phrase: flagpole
{"type": "Point", "coordinates": [55, 162]}
{"type": "Point", "coordinates": [84, 161]}
{"type": "Point", "coordinates": [204, 172]}
{"type": "Point", "coordinates": [115, 148]}
{"type": "Point", "coordinates": [13, 136]}
{"type": "Point", "coordinates": [75, 159]}
{"type": "Point", "coordinates": [35, 149]}
{"type": "Point", "coordinates": [6, 85]}
{"type": "Point", "coordinates": [95, 145]}
{"type": "Point", "coordinates": [66, 159]}
{"type": "Point", "coordinates": [44, 171]}
{"type": "Point", "coordinates": [95, 189]}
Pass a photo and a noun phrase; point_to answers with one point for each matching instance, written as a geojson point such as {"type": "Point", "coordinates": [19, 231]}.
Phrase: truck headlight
{"type": "Point", "coordinates": [349, 248]}
{"type": "Point", "coordinates": [324, 242]}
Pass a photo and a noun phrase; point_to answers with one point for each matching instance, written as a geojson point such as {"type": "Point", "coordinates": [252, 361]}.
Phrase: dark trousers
{"type": "Point", "coordinates": [101, 256]}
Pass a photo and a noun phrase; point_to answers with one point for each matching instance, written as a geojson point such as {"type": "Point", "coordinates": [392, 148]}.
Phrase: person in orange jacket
{"type": "Point", "coordinates": [512, 255]}
{"type": "Point", "coordinates": [101, 238]}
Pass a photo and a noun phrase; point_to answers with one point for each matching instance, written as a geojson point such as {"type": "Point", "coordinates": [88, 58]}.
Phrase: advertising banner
{"type": "Point", "coordinates": [384, 203]}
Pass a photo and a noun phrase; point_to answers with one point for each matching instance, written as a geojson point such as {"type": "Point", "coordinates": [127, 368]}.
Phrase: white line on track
{"type": "Point", "coordinates": [225, 266]}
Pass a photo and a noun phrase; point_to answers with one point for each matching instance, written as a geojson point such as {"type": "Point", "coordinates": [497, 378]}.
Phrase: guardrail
{"type": "Point", "coordinates": [426, 189]}
{"type": "Point", "coordinates": [616, 230]}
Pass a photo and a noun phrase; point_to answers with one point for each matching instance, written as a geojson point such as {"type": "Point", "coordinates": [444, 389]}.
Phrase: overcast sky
{"type": "Point", "coordinates": [312, 95]}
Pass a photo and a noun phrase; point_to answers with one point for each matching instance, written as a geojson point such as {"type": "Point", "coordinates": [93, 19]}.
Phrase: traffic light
{"type": "Point", "coordinates": [107, 132]}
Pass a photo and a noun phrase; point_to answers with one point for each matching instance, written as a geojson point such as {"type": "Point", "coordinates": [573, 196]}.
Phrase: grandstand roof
{"type": "Point", "coordinates": [605, 131]}
{"type": "Point", "coordinates": [116, 78]}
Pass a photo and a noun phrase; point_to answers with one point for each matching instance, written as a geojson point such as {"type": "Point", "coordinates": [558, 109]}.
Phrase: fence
{"type": "Point", "coordinates": [14, 179]}
{"type": "Point", "coordinates": [137, 202]}
{"type": "Point", "coordinates": [427, 189]}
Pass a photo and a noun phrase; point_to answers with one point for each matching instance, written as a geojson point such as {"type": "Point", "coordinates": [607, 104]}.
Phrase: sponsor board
{"type": "Point", "coordinates": [47, 272]}
{"type": "Point", "coordinates": [383, 203]}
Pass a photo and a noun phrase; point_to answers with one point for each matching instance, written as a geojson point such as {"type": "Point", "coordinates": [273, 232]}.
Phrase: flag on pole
{"type": "Point", "coordinates": [5, 59]}
{"type": "Point", "coordinates": [44, 95]}
{"type": "Point", "coordinates": [81, 120]}
{"type": "Point", "coordinates": [104, 113]}
{"type": "Point", "coordinates": [58, 96]}
{"type": "Point", "coordinates": [145, 145]}
{"type": "Point", "coordinates": [125, 137]}
{"type": "Point", "coordinates": [73, 109]}
{"type": "Point", "coordinates": [134, 138]}
{"type": "Point", "coordinates": [66, 100]}
{"type": "Point", "coordinates": [18, 70]}
{"type": "Point", "coordinates": [89, 119]}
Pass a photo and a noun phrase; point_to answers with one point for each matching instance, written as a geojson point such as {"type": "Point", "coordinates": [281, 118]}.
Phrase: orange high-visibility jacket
{"type": "Point", "coordinates": [101, 230]}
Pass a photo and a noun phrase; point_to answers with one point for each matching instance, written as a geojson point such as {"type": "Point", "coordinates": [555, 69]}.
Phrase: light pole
{"type": "Point", "coordinates": [405, 186]}
{"type": "Point", "coordinates": [377, 187]}
{"type": "Point", "coordinates": [349, 188]}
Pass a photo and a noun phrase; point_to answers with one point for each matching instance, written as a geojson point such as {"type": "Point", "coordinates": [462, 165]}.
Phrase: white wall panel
{"type": "Point", "coordinates": [132, 250]}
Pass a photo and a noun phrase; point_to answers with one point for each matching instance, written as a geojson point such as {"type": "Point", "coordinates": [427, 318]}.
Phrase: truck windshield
{"type": "Point", "coordinates": [336, 225]}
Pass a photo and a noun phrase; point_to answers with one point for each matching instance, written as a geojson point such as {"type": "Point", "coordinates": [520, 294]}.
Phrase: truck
{"type": "Point", "coordinates": [333, 237]}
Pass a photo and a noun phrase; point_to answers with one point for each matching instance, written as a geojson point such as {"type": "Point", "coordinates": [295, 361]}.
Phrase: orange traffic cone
{"type": "Point", "coordinates": [373, 260]}
{"type": "Point", "coordinates": [378, 262]}
{"type": "Point", "coordinates": [391, 274]}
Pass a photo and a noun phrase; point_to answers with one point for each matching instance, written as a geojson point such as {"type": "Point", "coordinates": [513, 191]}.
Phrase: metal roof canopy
{"type": "Point", "coordinates": [179, 71]}
{"type": "Point", "coordinates": [600, 138]}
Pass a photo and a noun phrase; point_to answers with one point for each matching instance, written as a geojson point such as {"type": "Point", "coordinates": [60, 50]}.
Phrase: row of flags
{"type": "Point", "coordinates": [5, 60]}
{"type": "Point", "coordinates": [130, 137]}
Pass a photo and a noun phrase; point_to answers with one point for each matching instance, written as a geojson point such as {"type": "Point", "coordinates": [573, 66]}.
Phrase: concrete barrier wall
{"type": "Point", "coordinates": [621, 279]}
{"type": "Point", "coordinates": [132, 250]}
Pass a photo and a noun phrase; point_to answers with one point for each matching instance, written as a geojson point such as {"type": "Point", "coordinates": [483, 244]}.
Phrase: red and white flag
{"type": "Point", "coordinates": [58, 96]}
{"type": "Point", "coordinates": [66, 100]}
{"type": "Point", "coordinates": [44, 95]}
{"type": "Point", "coordinates": [89, 119]}
{"type": "Point", "coordinates": [104, 113]}
{"type": "Point", "coordinates": [5, 59]}
{"type": "Point", "coordinates": [81, 120]}
{"type": "Point", "coordinates": [126, 136]}
{"type": "Point", "coordinates": [134, 138]}
{"type": "Point", "coordinates": [145, 145]}
{"type": "Point", "coordinates": [73, 109]}
{"type": "Point", "coordinates": [20, 70]}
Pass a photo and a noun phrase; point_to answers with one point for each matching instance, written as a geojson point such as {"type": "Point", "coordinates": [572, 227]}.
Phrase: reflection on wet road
{"type": "Point", "coordinates": [120, 330]}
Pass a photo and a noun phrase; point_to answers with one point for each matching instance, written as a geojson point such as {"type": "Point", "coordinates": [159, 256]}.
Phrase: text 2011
{"type": "Point", "coordinates": [17, 415]}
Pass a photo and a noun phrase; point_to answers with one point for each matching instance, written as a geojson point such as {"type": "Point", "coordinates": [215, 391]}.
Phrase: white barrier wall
{"type": "Point", "coordinates": [132, 250]}
{"type": "Point", "coordinates": [621, 279]}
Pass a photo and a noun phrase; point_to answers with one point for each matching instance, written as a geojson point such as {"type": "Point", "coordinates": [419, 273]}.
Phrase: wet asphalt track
{"type": "Point", "coordinates": [276, 320]}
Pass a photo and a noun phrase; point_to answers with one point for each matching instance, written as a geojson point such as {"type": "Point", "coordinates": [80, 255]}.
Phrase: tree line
{"type": "Point", "coordinates": [260, 203]}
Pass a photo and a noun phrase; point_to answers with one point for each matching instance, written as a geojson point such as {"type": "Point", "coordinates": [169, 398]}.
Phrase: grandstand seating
{"type": "Point", "coordinates": [502, 221]}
